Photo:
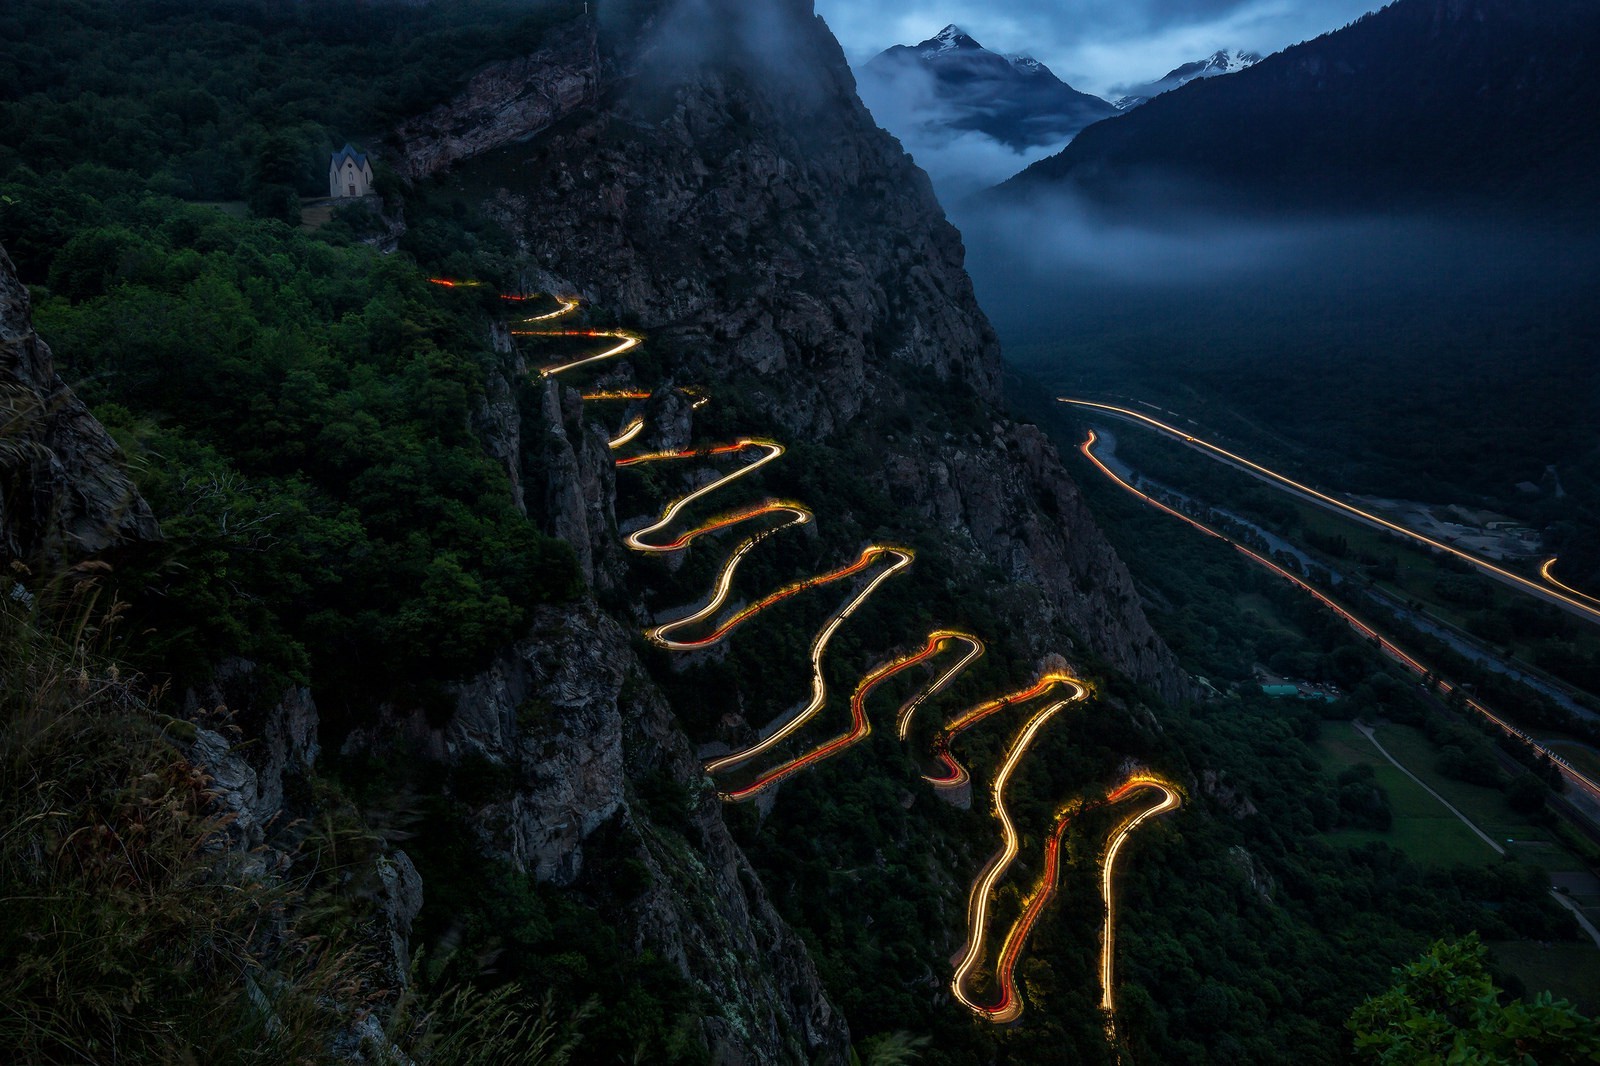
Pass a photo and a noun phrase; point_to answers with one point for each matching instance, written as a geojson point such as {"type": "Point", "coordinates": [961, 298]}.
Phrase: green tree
{"type": "Point", "coordinates": [1443, 1008]}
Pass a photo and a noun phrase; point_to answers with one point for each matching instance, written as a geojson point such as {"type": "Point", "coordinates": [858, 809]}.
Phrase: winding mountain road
{"type": "Point", "coordinates": [700, 627]}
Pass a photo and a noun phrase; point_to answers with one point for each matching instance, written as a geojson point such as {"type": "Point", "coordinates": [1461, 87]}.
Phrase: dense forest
{"type": "Point", "coordinates": [297, 407]}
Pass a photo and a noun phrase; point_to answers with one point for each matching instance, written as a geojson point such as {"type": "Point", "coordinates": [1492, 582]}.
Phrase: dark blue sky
{"type": "Point", "coordinates": [1096, 45]}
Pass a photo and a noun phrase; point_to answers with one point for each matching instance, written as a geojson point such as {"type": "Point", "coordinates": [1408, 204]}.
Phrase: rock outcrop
{"type": "Point", "coordinates": [568, 724]}
{"type": "Point", "coordinates": [505, 103]}
{"type": "Point", "coordinates": [1007, 496]}
{"type": "Point", "coordinates": [250, 778]}
{"type": "Point", "coordinates": [64, 494]}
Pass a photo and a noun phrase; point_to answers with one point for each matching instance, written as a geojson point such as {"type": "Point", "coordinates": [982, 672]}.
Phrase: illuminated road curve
{"type": "Point", "coordinates": [1552, 593]}
{"type": "Point", "coordinates": [876, 564]}
{"type": "Point", "coordinates": [1544, 572]}
{"type": "Point", "coordinates": [1009, 1005]}
{"type": "Point", "coordinates": [1385, 645]}
{"type": "Point", "coordinates": [860, 724]}
{"type": "Point", "coordinates": [1169, 800]}
{"type": "Point", "coordinates": [955, 774]}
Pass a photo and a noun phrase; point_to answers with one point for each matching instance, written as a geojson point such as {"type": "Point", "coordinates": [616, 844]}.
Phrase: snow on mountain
{"type": "Point", "coordinates": [1014, 99]}
{"type": "Point", "coordinates": [1214, 65]}
{"type": "Point", "coordinates": [950, 39]}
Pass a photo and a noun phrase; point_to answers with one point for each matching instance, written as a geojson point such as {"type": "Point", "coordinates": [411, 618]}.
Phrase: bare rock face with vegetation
{"type": "Point", "coordinates": [64, 493]}
{"type": "Point", "coordinates": [508, 101]}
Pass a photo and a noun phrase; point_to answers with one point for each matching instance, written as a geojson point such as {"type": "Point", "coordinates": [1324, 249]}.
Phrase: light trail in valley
{"type": "Point", "coordinates": [875, 565]}
{"type": "Point", "coordinates": [1385, 645]}
{"type": "Point", "coordinates": [1544, 572]}
{"type": "Point", "coordinates": [1545, 592]}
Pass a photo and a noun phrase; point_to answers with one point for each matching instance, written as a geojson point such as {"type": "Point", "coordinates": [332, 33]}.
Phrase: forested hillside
{"type": "Point", "coordinates": [377, 711]}
{"type": "Point", "coordinates": [1482, 104]}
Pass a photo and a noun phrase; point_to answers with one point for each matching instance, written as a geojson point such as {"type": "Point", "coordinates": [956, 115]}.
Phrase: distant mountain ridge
{"type": "Point", "coordinates": [1218, 63]}
{"type": "Point", "coordinates": [1015, 99]}
{"type": "Point", "coordinates": [1423, 102]}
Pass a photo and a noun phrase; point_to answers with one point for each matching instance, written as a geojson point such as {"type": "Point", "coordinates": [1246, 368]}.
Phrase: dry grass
{"type": "Point", "coordinates": [136, 932]}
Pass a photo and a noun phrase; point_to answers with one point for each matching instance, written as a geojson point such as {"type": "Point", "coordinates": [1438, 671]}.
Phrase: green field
{"type": "Point", "coordinates": [1486, 807]}
{"type": "Point", "coordinates": [1570, 971]}
{"type": "Point", "coordinates": [1422, 828]}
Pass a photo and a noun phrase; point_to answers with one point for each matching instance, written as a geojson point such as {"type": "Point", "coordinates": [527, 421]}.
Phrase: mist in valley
{"type": "Point", "coordinates": [1424, 355]}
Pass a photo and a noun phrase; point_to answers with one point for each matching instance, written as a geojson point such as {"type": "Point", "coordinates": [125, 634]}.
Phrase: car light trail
{"type": "Point", "coordinates": [629, 343]}
{"type": "Point", "coordinates": [1010, 1005]}
{"type": "Point", "coordinates": [1169, 800]}
{"type": "Point", "coordinates": [1544, 572]}
{"type": "Point", "coordinates": [974, 650]}
{"type": "Point", "coordinates": [900, 558]}
{"type": "Point", "coordinates": [956, 774]}
{"type": "Point", "coordinates": [638, 540]}
{"type": "Point", "coordinates": [1544, 592]}
{"type": "Point", "coordinates": [1384, 644]}
{"type": "Point", "coordinates": [860, 725]}
{"type": "Point", "coordinates": [568, 304]}
{"type": "Point", "coordinates": [882, 562]}
{"type": "Point", "coordinates": [630, 431]}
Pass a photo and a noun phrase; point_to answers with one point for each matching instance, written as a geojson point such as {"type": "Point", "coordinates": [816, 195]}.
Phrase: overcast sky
{"type": "Point", "coordinates": [1094, 45]}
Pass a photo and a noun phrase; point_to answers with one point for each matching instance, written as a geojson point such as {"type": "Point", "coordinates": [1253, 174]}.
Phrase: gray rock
{"type": "Point", "coordinates": [401, 902]}
{"type": "Point", "coordinates": [574, 719]}
{"type": "Point", "coordinates": [280, 728]}
{"type": "Point", "coordinates": [505, 102]}
{"type": "Point", "coordinates": [63, 491]}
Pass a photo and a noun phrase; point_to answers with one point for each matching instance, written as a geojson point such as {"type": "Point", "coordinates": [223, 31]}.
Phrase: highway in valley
{"type": "Point", "coordinates": [1551, 591]}
{"type": "Point", "coordinates": [1388, 647]}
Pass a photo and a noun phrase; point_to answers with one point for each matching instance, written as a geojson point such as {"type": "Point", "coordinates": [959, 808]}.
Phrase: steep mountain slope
{"type": "Point", "coordinates": [63, 491]}
{"type": "Point", "coordinates": [701, 174]}
{"type": "Point", "coordinates": [1017, 100]}
{"type": "Point", "coordinates": [737, 200]}
{"type": "Point", "coordinates": [1424, 101]}
{"type": "Point", "coordinates": [1214, 65]}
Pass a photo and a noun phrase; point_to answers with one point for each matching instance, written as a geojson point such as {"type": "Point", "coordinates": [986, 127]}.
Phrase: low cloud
{"type": "Point", "coordinates": [1027, 258]}
{"type": "Point", "coordinates": [959, 162]}
{"type": "Point", "coordinates": [1096, 46]}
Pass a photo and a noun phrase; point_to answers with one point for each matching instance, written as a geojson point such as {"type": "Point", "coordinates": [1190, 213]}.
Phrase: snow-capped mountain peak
{"type": "Point", "coordinates": [1218, 63]}
{"type": "Point", "coordinates": [950, 39]}
{"type": "Point", "coordinates": [1014, 99]}
{"type": "Point", "coordinates": [1229, 63]}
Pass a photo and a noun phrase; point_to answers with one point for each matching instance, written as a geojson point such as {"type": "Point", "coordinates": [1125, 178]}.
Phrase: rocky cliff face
{"type": "Point", "coordinates": [506, 102]}
{"type": "Point", "coordinates": [730, 194]}
{"type": "Point", "coordinates": [734, 195]}
{"type": "Point", "coordinates": [63, 491]}
{"type": "Point", "coordinates": [573, 719]}
{"type": "Point", "coordinates": [1007, 497]}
